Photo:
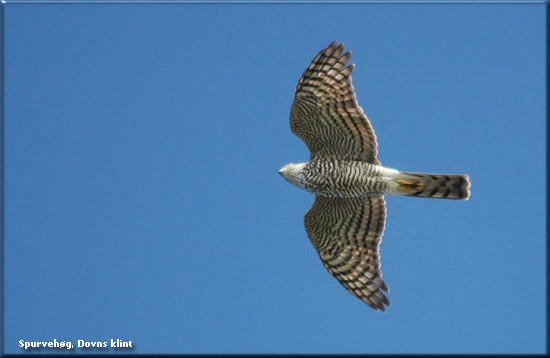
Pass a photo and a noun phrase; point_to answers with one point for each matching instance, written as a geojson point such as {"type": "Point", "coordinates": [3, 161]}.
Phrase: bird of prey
{"type": "Point", "coordinates": [347, 219]}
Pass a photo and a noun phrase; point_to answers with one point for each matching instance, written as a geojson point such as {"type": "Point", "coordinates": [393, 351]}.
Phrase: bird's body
{"type": "Point", "coordinates": [344, 178]}
{"type": "Point", "coordinates": [347, 219]}
{"type": "Point", "coordinates": [355, 179]}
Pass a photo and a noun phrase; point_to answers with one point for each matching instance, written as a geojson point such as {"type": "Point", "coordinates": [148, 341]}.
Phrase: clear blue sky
{"type": "Point", "coordinates": [142, 199]}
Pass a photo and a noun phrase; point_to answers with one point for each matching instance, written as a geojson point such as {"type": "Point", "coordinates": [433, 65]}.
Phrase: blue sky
{"type": "Point", "coordinates": [142, 199]}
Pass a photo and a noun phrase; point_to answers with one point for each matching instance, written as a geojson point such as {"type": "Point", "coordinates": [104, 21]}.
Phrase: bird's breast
{"type": "Point", "coordinates": [344, 178]}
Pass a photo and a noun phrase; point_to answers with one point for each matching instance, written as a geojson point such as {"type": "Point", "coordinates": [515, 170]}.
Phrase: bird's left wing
{"type": "Point", "coordinates": [325, 113]}
{"type": "Point", "coordinates": [347, 233]}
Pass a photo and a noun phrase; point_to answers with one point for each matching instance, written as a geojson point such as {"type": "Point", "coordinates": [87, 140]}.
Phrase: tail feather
{"type": "Point", "coordinates": [443, 186]}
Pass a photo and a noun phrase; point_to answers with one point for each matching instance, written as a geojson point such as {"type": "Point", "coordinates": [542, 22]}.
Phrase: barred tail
{"type": "Point", "coordinates": [443, 186]}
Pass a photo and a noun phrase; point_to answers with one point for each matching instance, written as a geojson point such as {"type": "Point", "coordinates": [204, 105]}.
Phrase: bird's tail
{"type": "Point", "coordinates": [443, 186]}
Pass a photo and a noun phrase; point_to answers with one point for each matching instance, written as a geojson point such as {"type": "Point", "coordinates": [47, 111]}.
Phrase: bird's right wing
{"type": "Point", "coordinates": [325, 113]}
{"type": "Point", "coordinates": [347, 233]}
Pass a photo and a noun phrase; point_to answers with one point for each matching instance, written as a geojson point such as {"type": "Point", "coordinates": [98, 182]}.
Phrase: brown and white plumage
{"type": "Point", "coordinates": [346, 222]}
{"type": "Point", "coordinates": [325, 113]}
{"type": "Point", "coordinates": [347, 233]}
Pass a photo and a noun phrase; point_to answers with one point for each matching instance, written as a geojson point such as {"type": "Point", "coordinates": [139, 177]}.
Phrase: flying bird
{"type": "Point", "coordinates": [347, 219]}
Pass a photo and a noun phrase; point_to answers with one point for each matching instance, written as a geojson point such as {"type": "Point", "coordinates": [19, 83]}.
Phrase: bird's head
{"type": "Point", "coordinates": [294, 173]}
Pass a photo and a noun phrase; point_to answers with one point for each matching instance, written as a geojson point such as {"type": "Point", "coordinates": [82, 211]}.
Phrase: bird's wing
{"type": "Point", "coordinates": [325, 113]}
{"type": "Point", "coordinates": [347, 233]}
